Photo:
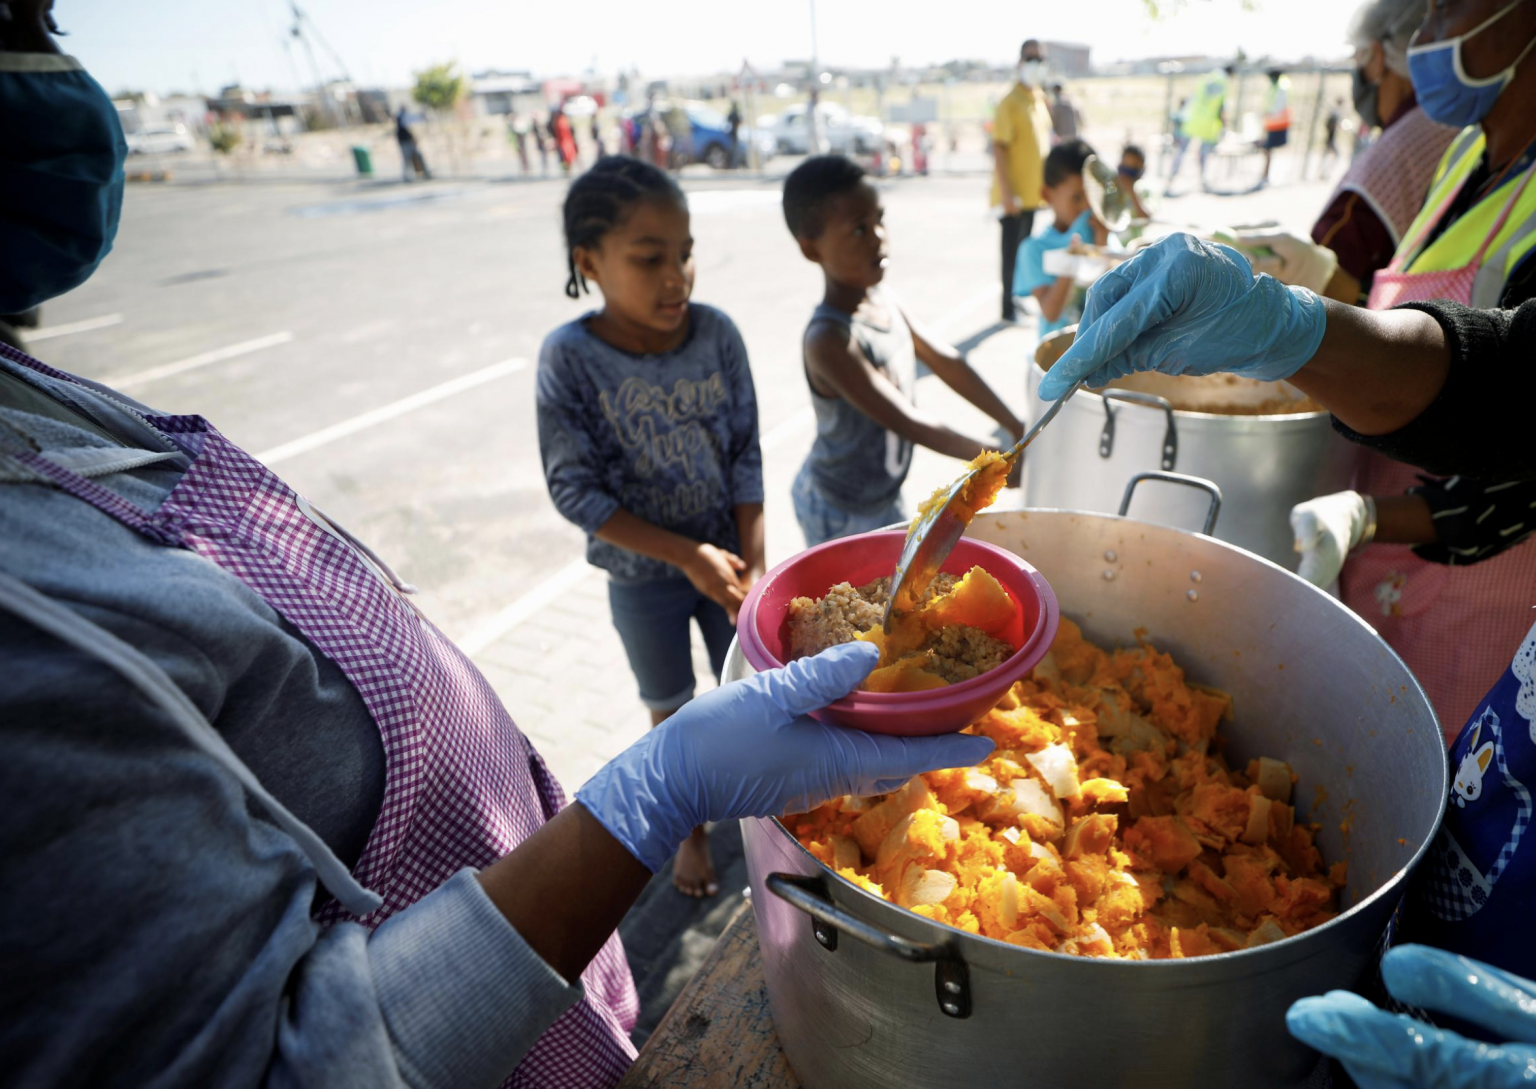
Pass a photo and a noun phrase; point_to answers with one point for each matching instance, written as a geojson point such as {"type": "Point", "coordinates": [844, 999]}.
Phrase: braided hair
{"type": "Point", "coordinates": [598, 201]}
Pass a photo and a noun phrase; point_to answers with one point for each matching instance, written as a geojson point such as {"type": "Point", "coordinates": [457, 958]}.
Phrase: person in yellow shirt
{"type": "Point", "coordinates": [1021, 138]}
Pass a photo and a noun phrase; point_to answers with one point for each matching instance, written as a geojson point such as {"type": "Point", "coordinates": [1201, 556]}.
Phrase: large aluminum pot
{"type": "Point", "coordinates": [865, 994]}
{"type": "Point", "coordinates": [1264, 465]}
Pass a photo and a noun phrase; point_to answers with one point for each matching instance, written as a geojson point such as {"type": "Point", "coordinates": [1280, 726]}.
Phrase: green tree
{"type": "Point", "coordinates": [225, 137]}
{"type": "Point", "coordinates": [440, 87]}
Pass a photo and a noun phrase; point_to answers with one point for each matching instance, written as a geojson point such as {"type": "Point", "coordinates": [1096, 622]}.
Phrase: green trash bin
{"type": "Point", "coordinates": [364, 160]}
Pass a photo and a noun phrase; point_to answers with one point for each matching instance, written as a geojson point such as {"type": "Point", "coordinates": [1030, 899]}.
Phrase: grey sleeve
{"type": "Point", "coordinates": [566, 446]}
{"type": "Point", "coordinates": [746, 456]}
{"type": "Point", "coordinates": [154, 927]}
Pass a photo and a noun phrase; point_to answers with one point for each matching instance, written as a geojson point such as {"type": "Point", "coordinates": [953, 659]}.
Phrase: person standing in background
{"type": "Point", "coordinates": [1065, 118]}
{"type": "Point", "coordinates": [1331, 125]}
{"type": "Point", "coordinates": [541, 141]}
{"type": "Point", "coordinates": [1204, 120]}
{"type": "Point", "coordinates": [597, 140]}
{"type": "Point", "coordinates": [734, 120]}
{"type": "Point", "coordinates": [680, 133]}
{"type": "Point", "coordinates": [1021, 137]}
{"type": "Point", "coordinates": [517, 132]}
{"type": "Point", "coordinates": [410, 154]}
{"type": "Point", "coordinates": [565, 138]}
{"type": "Point", "coordinates": [1277, 118]}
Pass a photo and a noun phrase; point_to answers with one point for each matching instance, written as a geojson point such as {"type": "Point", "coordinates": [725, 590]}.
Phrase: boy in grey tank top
{"type": "Point", "coordinates": [860, 357]}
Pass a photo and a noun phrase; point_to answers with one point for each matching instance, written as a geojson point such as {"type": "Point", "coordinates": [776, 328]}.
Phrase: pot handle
{"type": "Point", "coordinates": [1149, 400]}
{"type": "Point", "coordinates": [809, 894]}
{"type": "Point", "coordinates": [1178, 478]}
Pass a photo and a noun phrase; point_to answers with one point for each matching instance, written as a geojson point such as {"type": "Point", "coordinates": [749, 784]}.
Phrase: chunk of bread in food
{"type": "Point", "coordinates": [1274, 779]}
{"type": "Point", "coordinates": [919, 886]}
{"type": "Point", "coordinates": [1022, 797]}
{"type": "Point", "coordinates": [872, 826]}
{"type": "Point", "coordinates": [1058, 767]}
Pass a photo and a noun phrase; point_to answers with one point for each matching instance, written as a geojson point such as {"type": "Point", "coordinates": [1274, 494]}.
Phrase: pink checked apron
{"type": "Point", "coordinates": [463, 786]}
{"type": "Point", "coordinates": [1395, 172]}
{"type": "Point", "coordinates": [1450, 624]}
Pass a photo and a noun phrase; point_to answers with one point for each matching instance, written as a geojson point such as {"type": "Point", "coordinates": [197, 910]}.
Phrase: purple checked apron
{"type": "Point", "coordinates": [463, 786]}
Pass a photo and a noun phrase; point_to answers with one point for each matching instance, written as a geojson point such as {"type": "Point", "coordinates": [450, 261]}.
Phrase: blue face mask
{"type": "Point", "coordinates": [1445, 91]}
{"type": "Point", "coordinates": [61, 177]}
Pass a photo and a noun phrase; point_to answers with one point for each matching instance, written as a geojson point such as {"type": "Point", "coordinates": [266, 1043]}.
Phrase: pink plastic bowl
{"type": "Point", "coordinates": [763, 629]}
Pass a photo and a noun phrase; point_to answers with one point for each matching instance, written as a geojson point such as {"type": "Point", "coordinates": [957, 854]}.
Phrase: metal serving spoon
{"type": "Point", "coordinates": [934, 533]}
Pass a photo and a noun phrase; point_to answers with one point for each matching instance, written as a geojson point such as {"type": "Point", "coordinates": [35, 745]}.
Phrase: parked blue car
{"type": "Point", "coordinates": [709, 138]}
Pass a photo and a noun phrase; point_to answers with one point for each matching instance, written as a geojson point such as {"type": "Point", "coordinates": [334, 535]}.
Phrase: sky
{"type": "Point", "coordinates": [165, 45]}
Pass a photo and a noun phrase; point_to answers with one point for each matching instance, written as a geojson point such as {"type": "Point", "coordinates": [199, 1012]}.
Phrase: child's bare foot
{"type": "Point", "coordinates": [693, 872]}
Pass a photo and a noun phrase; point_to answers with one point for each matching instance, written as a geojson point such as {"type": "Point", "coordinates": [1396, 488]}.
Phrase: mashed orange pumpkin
{"type": "Point", "coordinates": [980, 490]}
{"type": "Point", "coordinates": [1105, 823]}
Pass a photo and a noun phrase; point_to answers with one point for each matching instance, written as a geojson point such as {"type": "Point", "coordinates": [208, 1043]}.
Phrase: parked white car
{"type": "Point", "coordinates": [838, 131]}
{"type": "Point", "coordinates": [160, 139]}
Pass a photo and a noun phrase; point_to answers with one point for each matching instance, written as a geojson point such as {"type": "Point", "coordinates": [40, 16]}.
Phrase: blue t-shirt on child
{"type": "Point", "coordinates": [1029, 270]}
{"type": "Point", "coordinates": [671, 438]}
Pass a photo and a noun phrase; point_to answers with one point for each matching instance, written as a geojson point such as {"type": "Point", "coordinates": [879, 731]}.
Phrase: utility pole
{"type": "Point", "coordinates": [1317, 109]}
{"type": "Point", "coordinates": [813, 143]}
{"type": "Point", "coordinates": [299, 21]}
{"type": "Point", "coordinates": [1169, 69]}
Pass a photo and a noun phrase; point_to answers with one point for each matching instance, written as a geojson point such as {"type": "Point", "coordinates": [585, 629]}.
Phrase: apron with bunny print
{"type": "Point", "coordinates": [1475, 891]}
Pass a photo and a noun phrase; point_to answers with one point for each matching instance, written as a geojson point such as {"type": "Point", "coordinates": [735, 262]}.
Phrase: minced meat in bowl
{"type": "Point", "coordinates": [948, 639]}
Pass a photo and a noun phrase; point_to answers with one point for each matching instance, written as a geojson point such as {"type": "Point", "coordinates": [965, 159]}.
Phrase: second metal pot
{"type": "Point", "coordinates": [1264, 465]}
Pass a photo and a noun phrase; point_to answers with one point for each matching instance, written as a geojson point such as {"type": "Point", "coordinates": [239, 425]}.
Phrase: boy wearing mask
{"type": "Point", "coordinates": [1059, 298]}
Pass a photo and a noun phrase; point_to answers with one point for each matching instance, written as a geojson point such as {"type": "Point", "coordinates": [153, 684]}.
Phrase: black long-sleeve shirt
{"type": "Point", "coordinates": [1479, 431]}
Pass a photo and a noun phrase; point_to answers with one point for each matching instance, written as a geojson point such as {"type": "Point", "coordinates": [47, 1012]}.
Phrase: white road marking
{"type": "Point", "coordinates": [540, 597]}
{"type": "Point", "coordinates": [48, 332]}
{"type": "Point", "coordinates": [393, 410]}
{"type": "Point", "coordinates": [192, 363]}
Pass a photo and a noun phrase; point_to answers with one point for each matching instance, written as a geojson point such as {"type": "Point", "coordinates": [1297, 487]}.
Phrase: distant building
{"type": "Point", "coordinates": [235, 103]}
{"type": "Point", "coordinates": [1190, 62]}
{"type": "Point", "coordinates": [498, 93]}
{"type": "Point", "coordinates": [1068, 60]}
{"type": "Point", "coordinates": [147, 109]}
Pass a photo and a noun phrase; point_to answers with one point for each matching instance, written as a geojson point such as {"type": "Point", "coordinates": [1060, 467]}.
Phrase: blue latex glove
{"type": "Point", "coordinates": [747, 750]}
{"type": "Point", "coordinates": [1393, 1051]}
{"type": "Point", "coordinates": [1183, 306]}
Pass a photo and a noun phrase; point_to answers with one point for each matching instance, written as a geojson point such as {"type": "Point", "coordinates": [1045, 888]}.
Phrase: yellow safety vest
{"type": "Point", "coordinates": [1458, 246]}
{"type": "Point", "coordinates": [1204, 121]}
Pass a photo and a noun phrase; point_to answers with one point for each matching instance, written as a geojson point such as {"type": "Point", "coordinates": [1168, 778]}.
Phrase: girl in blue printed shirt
{"type": "Point", "coordinates": [648, 431]}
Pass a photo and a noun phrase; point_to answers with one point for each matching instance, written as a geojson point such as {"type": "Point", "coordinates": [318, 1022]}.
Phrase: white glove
{"type": "Point", "coordinates": [1291, 260]}
{"type": "Point", "coordinates": [1326, 528]}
